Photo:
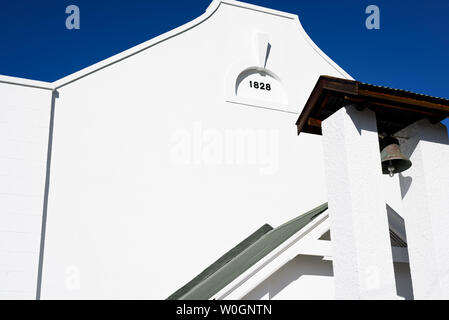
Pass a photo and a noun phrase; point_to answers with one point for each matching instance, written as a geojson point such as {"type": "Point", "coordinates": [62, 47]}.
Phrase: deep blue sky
{"type": "Point", "coordinates": [410, 51]}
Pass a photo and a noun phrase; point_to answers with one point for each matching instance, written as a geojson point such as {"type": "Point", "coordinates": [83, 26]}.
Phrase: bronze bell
{"type": "Point", "coordinates": [393, 161]}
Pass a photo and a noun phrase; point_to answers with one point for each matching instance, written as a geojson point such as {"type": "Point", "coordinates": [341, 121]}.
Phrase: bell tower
{"type": "Point", "coordinates": [358, 120]}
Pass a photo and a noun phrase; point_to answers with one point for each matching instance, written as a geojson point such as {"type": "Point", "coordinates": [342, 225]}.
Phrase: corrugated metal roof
{"type": "Point", "coordinates": [223, 260]}
{"type": "Point", "coordinates": [404, 92]}
{"type": "Point", "coordinates": [247, 253]}
{"type": "Point", "coordinates": [237, 261]}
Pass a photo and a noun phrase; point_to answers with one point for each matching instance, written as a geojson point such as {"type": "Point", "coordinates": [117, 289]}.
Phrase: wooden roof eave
{"type": "Point", "coordinates": [381, 100]}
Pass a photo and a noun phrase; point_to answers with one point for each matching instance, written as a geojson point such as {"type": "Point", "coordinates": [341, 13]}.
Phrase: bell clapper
{"type": "Point", "coordinates": [391, 169]}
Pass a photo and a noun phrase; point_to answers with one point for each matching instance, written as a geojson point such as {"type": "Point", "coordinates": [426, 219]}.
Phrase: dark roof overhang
{"type": "Point", "coordinates": [395, 109]}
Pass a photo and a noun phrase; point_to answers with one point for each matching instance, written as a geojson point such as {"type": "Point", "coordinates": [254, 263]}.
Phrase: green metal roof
{"type": "Point", "coordinates": [242, 257]}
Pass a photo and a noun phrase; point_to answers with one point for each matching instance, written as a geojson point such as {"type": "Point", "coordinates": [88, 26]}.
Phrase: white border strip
{"type": "Point", "coordinates": [26, 82]}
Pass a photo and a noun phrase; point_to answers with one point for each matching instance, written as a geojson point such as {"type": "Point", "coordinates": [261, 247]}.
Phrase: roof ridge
{"type": "Point", "coordinates": [321, 208]}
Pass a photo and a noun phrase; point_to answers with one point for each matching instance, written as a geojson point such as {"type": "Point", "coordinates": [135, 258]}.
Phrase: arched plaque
{"type": "Point", "coordinates": [260, 84]}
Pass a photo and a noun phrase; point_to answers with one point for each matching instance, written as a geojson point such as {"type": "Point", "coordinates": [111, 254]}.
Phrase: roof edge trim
{"type": "Point", "coordinates": [26, 82]}
{"type": "Point", "coordinates": [254, 7]}
{"type": "Point", "coordinates": [320, 52]}
{"type": "Point", "coordinates": [213, 7]}
{"type": "Point", "coordinates": [138, 48]}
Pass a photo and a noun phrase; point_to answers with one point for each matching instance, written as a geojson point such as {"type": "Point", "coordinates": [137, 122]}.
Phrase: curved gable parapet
{"type": "Point", "coordinates": [139, 48]}
{"type": "Point", "coordinates": [342, 72]}
{"type": "Point", "coordinates": [210, 11]}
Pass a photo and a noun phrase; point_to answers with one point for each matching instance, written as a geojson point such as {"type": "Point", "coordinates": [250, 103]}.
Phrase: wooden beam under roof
{"type": "Point", "coordinates": [395, 109]}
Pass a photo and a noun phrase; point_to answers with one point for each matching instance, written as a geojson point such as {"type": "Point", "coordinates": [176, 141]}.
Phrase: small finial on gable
{"type": "Point", "coordinates": [263, 49]}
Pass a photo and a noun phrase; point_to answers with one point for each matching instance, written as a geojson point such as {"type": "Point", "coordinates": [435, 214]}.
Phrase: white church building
{"type": "Point", "coordinates": [174, 170]}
